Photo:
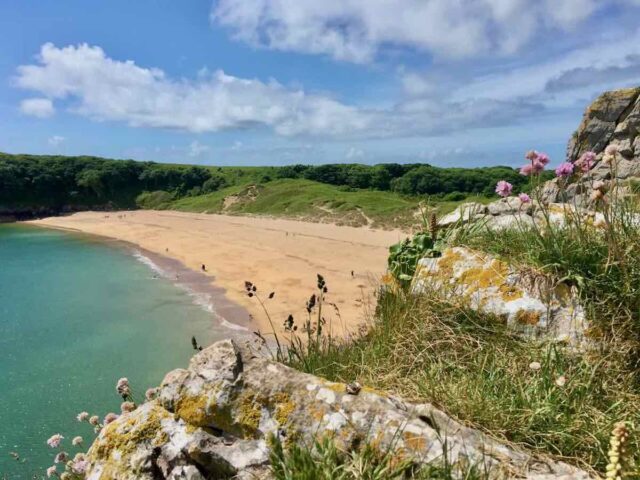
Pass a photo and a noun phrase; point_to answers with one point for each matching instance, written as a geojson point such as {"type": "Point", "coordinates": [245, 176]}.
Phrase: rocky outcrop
{"type": "Point", "coordinates": [217, 419]}
{"type": "Point", "coordinates": [511, 212]}
{"type": "Point", "coordinates": [530, 303]}
{"type": "Point", "coordinates": [612, 119]}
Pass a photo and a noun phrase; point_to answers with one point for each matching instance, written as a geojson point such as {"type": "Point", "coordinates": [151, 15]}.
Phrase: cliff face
{"type": "Point", "coordinates": [217, 419]}
{"type": "Point", "coordinates": [612, 119]}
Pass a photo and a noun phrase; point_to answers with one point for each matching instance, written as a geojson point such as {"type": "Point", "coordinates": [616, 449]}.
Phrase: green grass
{"type": "Point", "coordinates": [308, 200]}
{"type": "Point", "coordinates": [323, 461]}
{"type": "Point", "coordinates": [603, 264]}
{"type": "Point", "coordinates": [429, 350]}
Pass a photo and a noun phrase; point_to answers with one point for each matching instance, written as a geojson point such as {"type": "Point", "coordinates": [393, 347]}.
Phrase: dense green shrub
{"type": "Point", "coordinates": [156, 200]}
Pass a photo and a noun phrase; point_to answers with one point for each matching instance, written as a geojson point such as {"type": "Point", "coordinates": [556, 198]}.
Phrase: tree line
{"type": "Point", "coordinates": [90, 182]}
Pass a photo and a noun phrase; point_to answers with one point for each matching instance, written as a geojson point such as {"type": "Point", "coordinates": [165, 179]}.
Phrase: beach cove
{"type": "Point", "coordinates": [277, 255]}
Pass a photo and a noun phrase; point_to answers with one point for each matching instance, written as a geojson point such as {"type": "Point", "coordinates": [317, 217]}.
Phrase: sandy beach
{"type": "Point", "coordinates": [281, 256]}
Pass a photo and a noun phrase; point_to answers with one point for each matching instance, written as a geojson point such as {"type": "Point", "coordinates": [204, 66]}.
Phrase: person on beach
{"type": "Point", "coordinates": [204, 269]}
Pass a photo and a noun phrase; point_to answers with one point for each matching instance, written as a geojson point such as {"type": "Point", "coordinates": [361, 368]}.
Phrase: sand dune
{"type": "Point", "coordinates": [277, 255]}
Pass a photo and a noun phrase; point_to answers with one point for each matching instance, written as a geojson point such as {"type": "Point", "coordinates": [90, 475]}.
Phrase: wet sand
{"type": "Point", "coordinates": [281, 256]}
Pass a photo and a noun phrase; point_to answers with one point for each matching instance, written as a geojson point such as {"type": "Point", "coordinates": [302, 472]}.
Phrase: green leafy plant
{"type": "Point", "coordinates": [404, 256]}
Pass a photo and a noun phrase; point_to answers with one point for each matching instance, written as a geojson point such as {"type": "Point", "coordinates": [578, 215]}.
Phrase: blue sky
{"type": "Point", "coordinates": [255, 82]}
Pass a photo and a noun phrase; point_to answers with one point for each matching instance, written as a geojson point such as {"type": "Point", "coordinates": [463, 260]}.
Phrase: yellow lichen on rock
{"type": "Point", "coordinates": [122, 438]}
{"type": "Point", "coordinates": [283, 408]}
{"type": "Point", "coordinates": [249, 412]}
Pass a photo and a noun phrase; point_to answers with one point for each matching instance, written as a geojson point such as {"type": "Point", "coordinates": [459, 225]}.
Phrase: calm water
{"type": "Point", "coordinates": [75, 315]}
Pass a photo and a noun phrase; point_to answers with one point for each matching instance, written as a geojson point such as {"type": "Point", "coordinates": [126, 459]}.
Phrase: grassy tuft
{"type": "Point", "coordinates": [323, 461]}
{"type": "Point", "coordinates": [468, 364]}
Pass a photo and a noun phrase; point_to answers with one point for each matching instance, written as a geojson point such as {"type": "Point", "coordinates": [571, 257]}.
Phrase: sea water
{"type": "Point", "coordinates": [77, 314]}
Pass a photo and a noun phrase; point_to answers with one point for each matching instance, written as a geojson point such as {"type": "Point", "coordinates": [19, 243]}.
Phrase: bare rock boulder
{"type": "Point", "coordinates": [217, 419]}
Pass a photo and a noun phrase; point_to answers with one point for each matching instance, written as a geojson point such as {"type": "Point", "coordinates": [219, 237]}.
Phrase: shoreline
{"type": "Point", "coordinates": [201, 288]}
{"type": "Point", "coordinates": [278, 255]}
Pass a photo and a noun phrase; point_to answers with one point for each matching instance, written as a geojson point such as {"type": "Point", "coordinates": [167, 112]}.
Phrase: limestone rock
{"type": "Point", "coordinates": [600, 121]}
{"type": "Point", "coordinates": [463, 214]}
{"type": "Point", "coordinates": [217, 418]}
{"type": "Point", "coordinates": [509, 205]}
{"type": "Point", "coordinates": [530, 303]}
{"type": "Point", "coordinates": [612, 119]}
{"type": "Point", "coordinates": [509, 221]}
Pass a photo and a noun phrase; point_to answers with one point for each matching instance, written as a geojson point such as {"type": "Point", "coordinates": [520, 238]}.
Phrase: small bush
{"type": "Point", "coordinates": [157, 200]}
{"type": "Point", "coordinates": [213, 184]}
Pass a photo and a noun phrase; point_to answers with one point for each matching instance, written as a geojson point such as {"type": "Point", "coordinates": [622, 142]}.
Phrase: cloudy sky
{"type": "Point", "coordinates": [252, 82]}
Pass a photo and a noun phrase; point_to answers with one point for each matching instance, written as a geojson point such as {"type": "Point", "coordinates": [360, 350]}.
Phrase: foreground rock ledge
{"type": "Point", "coordinates": [215, 420]}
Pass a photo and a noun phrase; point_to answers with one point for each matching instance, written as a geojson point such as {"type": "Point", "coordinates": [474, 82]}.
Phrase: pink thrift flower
{"type": "Point", "coordinates": [80, 466]}
{"type": "Point", "coordinates": [110, 417]}
{"type": "Point", "coordinates": [611, 150]}
{"type": "Point", "coordinates": [526, 170]}
{"type": "Point", "coordinates": [531, 155]}
{"type": "Point", "coordinates": [504, 188]}
{"type": "Point", "coordinates": [95, 420]}
{"type": "Point", "coordinates": [524, 198]}
{"type": "Point", "coordinates": [51, 471]}
{"type": "Point", "coordinates": [61, 457]}
{"type": "Point", "coordinates": [127, 407]}
{"type": "Point", "coordinates": [565, 169]}
{"type": "Point", "coordinates": [537, 167]}
{"type": "Point", "coordinates": [76, 441]}
{"type": "Point", "coordinates": [123, 388]}
{"type": "Point", "coordinates": [151, 393]}
{"type": "Point", "coordinates": [54, 440]}
{"type": "Point", "coordinates": [586, 161]}
{"type": "Point", "coordinates": [542, 158]}
{"type": "Point", "coordinates": [82, 416]}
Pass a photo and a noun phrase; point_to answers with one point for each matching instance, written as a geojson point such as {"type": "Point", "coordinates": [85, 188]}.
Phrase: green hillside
{"type": "Point", "coordinates": [378, 195]}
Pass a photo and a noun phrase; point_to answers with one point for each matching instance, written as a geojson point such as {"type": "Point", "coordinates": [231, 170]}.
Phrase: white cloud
{"type": "Point", "coordinates": [101, 88]}
{"type": "Point", "coordinates": [55, 140]}
{"type": "Point", "coordinates": [355, 30]}
{"type": "Point", "coordinates": [353, 153]}
{"type": "Point", "coordinates": [584, 64]}
{"type": "Point", "coordinates": [37, 107]}
{"type": "Point", "coordinates": [106, 89]}
{"type": "Point", "coordinates": [196, 149]}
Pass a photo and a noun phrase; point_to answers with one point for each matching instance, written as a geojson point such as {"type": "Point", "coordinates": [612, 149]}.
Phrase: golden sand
{"type": "Point", "coordinates": [281, 256]}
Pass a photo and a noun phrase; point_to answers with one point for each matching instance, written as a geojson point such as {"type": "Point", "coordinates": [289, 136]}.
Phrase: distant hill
{"type": "Point", "coordinates": [34, 185]}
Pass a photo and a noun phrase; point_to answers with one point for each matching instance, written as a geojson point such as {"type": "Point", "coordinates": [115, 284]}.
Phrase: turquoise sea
{"type": "Point", "coordinates": [76, 314]}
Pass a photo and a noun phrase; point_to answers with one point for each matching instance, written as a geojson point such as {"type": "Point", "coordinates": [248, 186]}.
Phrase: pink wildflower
{"type": "Point", "coordinates": [54, 440]}
{"type": "Point", "coordinates": [82, 416]}
{"type": "Point", "coordinates": [542, 158]}
{"type": "Point", "coordinates": [51, 471]}
{"type": "Point", "coordinates": [80, 466]}
{"type": "Point", "coordinates": [504, 188]}
{"type": "Point", "coordinates": [586, 161]}
{"type": "Point", "coordinates": [110, 417]}
{"type": "Point", "coordinates": [565, 169]}
{"type": "Point", "coordinates": [524, 198]}
{"type": "Point", "coordinates": [123, 388]}
{"type": "Point", "coordinates": [611, 150]}
{"type": "Point", "coordinates": [95, 420]}
{"type": "Point", "coordinates": [561, 381]}
{"type": "Point", "coordinates": [151, 393]}
{"type": "Point", "coordinates": [537, 166]}
{"type": "Point", "coordinates": [531, 155]}
{"type": "Point", "coordinates": [76, 441]}
{"type": "Point", "coordinates": [61, 457]}
{"type": "Point", "coordinates": [526, 170]}
{"type": "Point", "coordinates": [127, 407]}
